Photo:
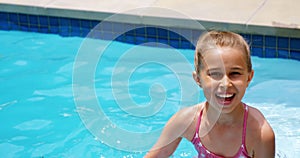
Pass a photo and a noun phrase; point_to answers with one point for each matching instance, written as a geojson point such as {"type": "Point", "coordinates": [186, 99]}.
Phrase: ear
{"type": "Point", "coordinates": [250, 76]}
{"type": "Point", "coordinates": [196, 78]}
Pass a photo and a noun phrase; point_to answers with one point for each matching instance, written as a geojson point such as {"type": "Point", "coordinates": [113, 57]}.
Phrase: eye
{"type": "Point", "coordinates": [216, 75]}
{"type": "Point", "coordinates": [235, 74]}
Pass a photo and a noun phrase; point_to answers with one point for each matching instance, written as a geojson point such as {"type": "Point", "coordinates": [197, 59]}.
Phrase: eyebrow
{"type": "Point", "coordinates": [237, 68]}
{"type": "Point", "coordinates": [218, 69]}
{"type": "Point", "coordinates": [214, 68]}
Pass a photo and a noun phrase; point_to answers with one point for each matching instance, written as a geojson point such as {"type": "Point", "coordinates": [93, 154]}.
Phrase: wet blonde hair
{"type": "Point", "coordinates": [215, 39]}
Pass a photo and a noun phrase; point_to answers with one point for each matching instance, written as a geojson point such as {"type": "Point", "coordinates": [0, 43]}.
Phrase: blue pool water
{"type": "Point", "coordinates": [40, 118]}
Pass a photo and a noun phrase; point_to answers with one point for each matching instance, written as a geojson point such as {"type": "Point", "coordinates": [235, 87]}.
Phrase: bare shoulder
{"type": "Point", "coordinates": [187, 112]}
{"type": "Point", "coordinates": [184, 116]}
{"type": "Point", "coordinates": [256, 120]}
{"type": "Point", "coordinates": [260, 135]}
{"type": "Point", "coordinates": [189, 117]}
{"type": "Point", "coordinates": [177, 127]}
{"type": "Point", "coordinates": [255, 117]}
{"type": "Point", "coordinates": [184, 120]}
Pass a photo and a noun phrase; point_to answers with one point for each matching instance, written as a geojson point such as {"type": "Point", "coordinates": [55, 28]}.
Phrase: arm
{"type": "Point", "coordinates": [164, 151]}
{"type": "Point", "coordinates": [265, 148]}
{"type": "Point", "coordinates": [172, 134]}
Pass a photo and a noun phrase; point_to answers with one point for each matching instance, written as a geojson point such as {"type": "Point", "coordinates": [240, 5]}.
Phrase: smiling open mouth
{"type": "Point", "coordinates": [225, 99]}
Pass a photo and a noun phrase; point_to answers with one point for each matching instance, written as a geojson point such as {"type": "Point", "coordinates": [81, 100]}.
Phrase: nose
{"type": "Point", "coordinates": [225, 82]}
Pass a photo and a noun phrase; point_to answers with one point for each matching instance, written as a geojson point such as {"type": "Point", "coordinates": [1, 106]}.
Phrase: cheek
{"type": "Point", "coordinates": [209, 86]}
{"type": "Point", "coordinates": [209, 82]}
{"type": "Point", "coordinates": [241, 85]}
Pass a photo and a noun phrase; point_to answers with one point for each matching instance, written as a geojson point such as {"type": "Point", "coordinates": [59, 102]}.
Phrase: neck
{"type": "Point", "coordinates": [217, 116]}
{"type": "Point", "coordinates": [212, 117]}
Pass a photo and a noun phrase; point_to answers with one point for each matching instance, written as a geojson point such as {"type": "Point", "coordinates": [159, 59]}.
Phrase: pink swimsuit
{"type": "Point", "coordinates": [203, 152]}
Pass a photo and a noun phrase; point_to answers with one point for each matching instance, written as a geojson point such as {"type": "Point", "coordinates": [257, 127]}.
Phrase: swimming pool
{"type": "Point", "coordinates": [39, 117]}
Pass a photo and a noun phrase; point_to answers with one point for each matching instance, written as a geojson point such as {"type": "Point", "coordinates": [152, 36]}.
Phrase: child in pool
{"type": "Point", "coordinates": [222, 126]}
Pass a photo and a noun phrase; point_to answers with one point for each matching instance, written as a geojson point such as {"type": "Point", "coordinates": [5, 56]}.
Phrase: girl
{"type": "Point", "coordinates": [222, 126]}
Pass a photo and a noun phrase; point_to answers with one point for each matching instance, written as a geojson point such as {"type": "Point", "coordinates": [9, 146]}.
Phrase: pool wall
{"type": "Point", "coordinates": [277, 43]}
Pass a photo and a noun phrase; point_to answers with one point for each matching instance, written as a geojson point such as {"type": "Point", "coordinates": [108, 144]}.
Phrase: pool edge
{"type": "Point", "coordinates": [284, 31]}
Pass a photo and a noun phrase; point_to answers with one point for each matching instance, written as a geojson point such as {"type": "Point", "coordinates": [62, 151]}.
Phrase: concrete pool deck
{"type": "Point", "coordinates": [276, 17]}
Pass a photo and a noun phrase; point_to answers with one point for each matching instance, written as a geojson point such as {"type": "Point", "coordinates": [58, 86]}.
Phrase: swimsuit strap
{"type": "Point", "coordinates": [199, 121]}
{"type": "Point", "coordinates": [203, 151]}
{"type": "Point", "coordinates": [245, 125]}
{"type": "Point", "coordinates": [197, 126]}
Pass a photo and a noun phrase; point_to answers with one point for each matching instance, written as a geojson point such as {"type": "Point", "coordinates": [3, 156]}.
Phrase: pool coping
{"type": "Point", "coordinates": [178, 22]}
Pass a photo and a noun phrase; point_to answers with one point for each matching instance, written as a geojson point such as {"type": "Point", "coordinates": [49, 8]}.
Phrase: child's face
{"type": "Point", "coordinates": [224, 77]}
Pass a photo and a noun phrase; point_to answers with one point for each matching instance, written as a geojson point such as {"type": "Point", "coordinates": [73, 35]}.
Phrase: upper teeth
{"type": "Point", "coordinates": [224, 95]}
